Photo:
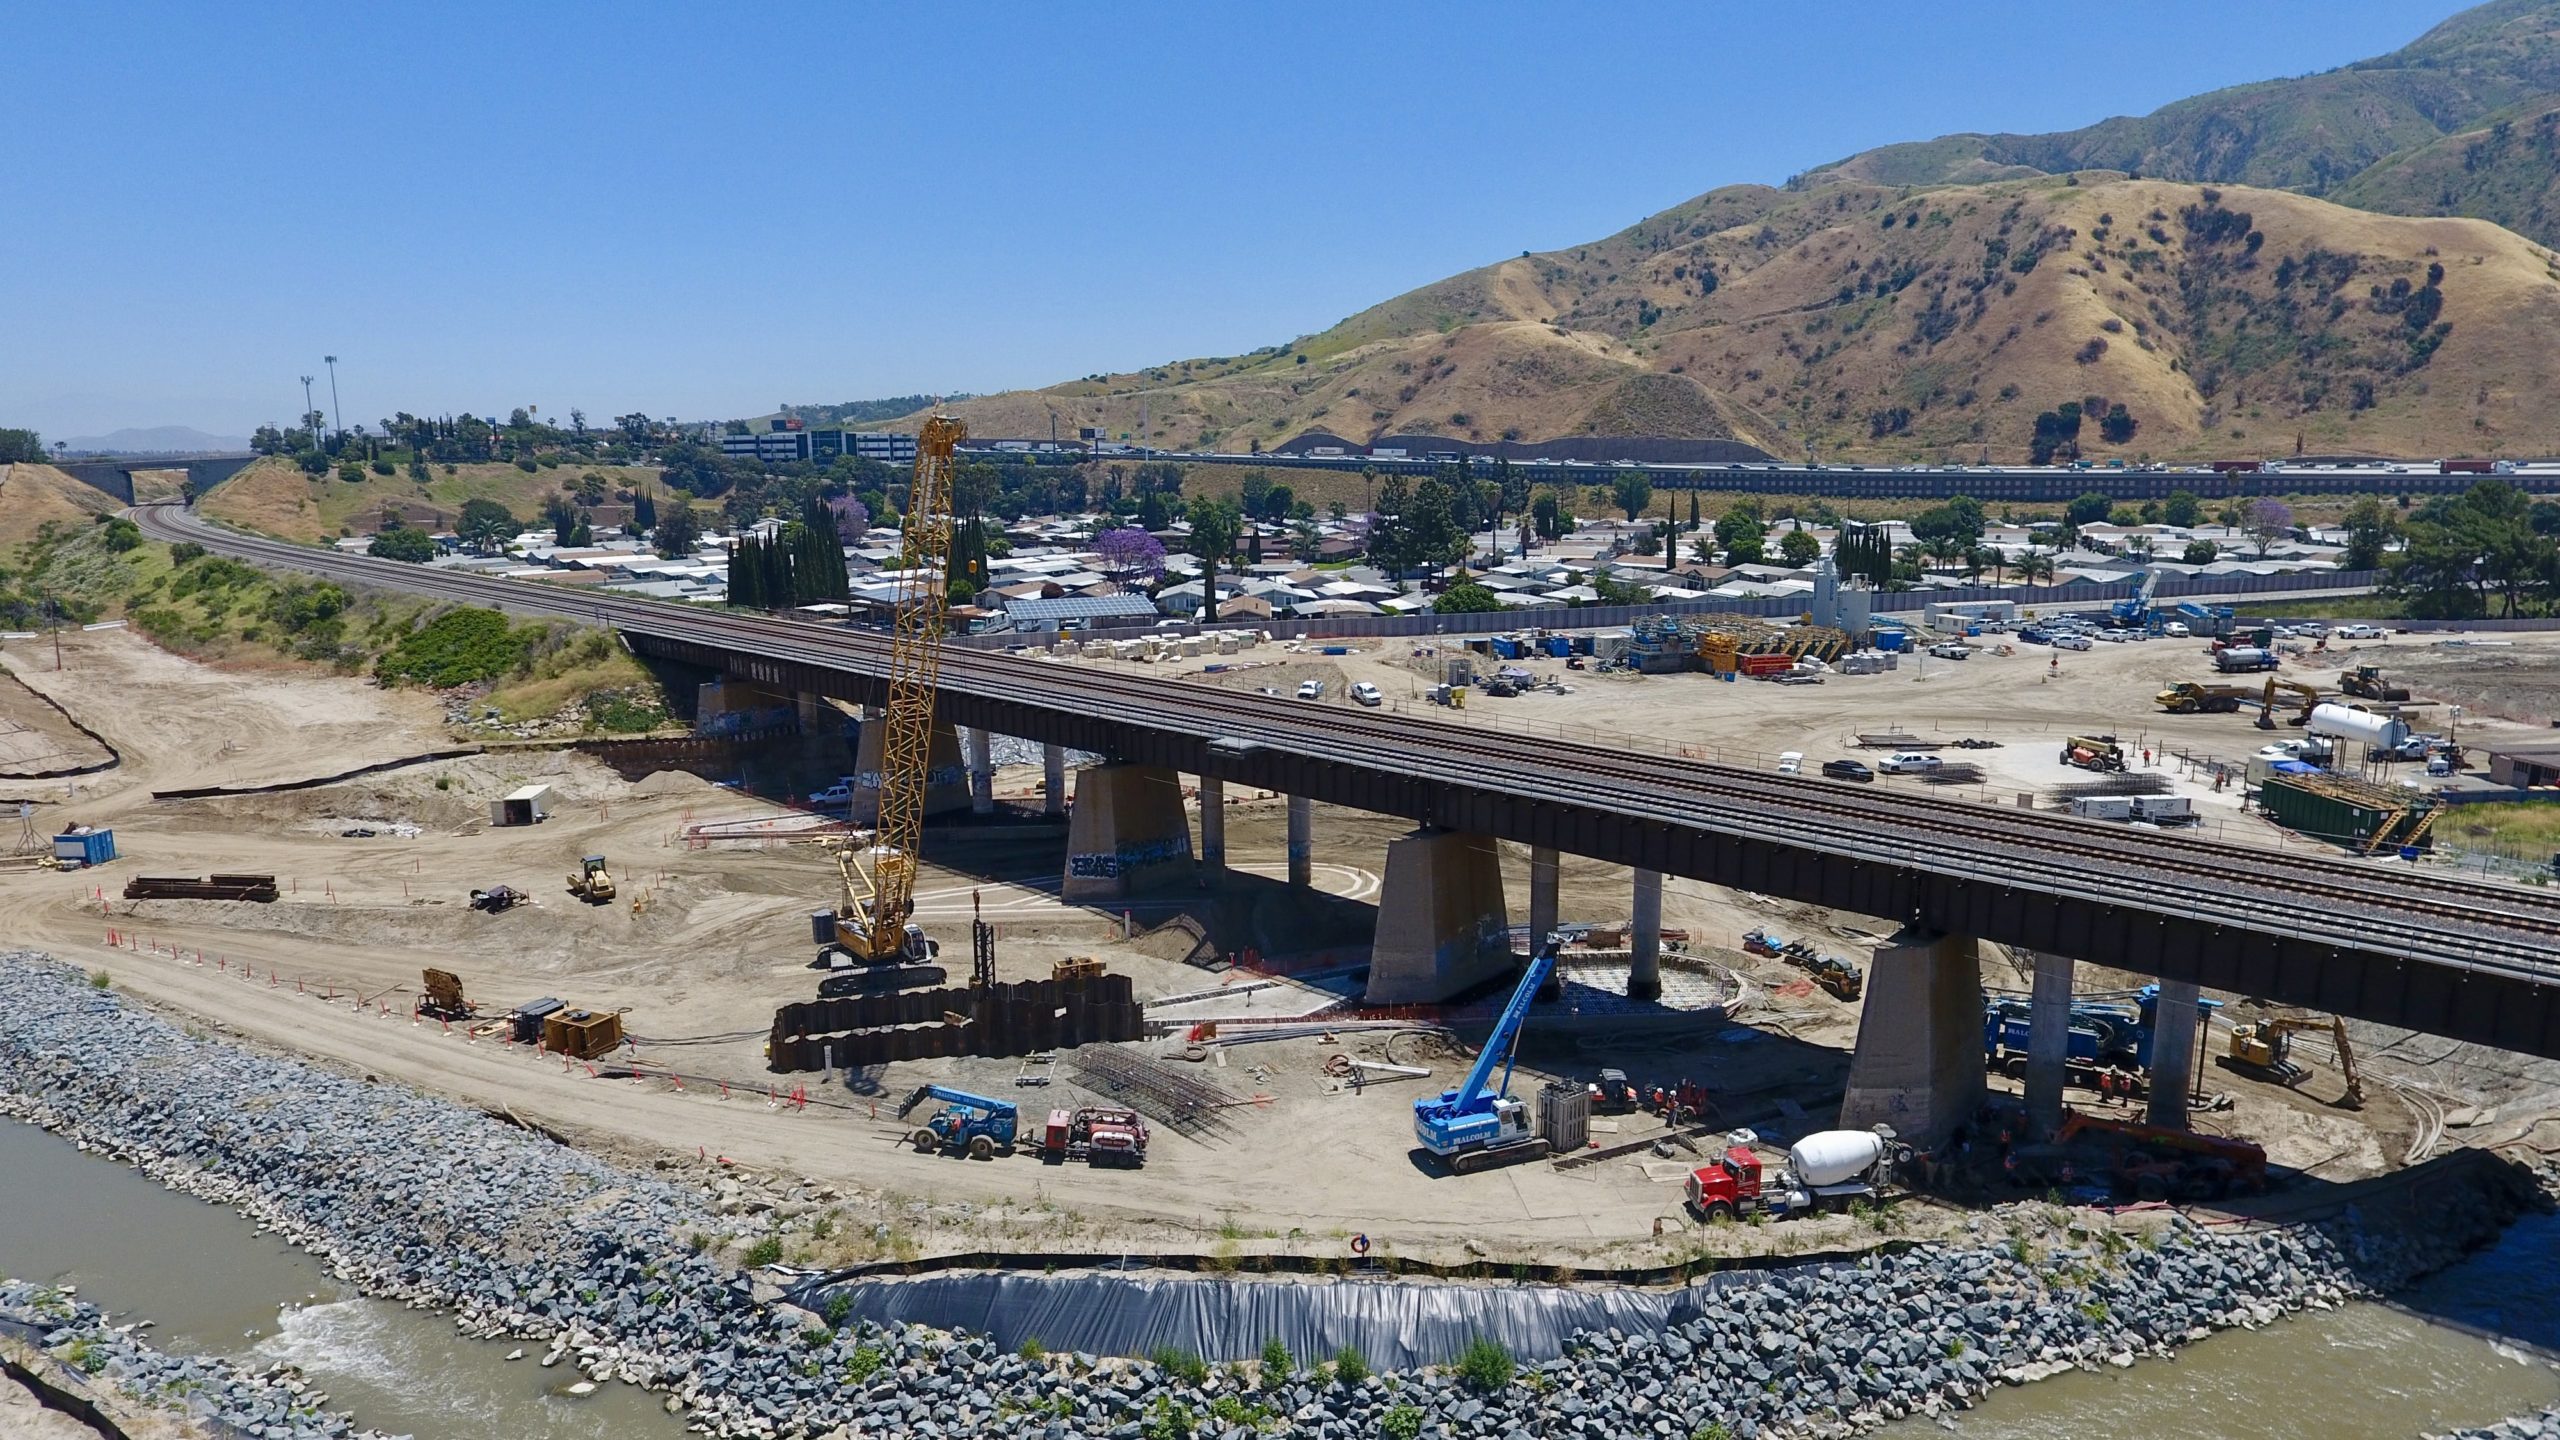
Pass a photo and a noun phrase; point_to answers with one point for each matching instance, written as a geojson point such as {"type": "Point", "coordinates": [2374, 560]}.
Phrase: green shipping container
{"type": "Point", "coordinates": [2347, 821]}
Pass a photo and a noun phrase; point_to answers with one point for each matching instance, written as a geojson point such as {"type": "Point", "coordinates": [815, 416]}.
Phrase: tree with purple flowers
{"type": "Point", "coordinates": [1129, 555]}
{"type": "Point", "coordinates": [2269, 519]}
{"type": "Point", "coordinates": [853, 519]}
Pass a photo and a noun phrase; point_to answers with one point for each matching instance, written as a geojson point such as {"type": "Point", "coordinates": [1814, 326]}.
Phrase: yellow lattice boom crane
{"type": "Point", "coordinates": [879, 870]}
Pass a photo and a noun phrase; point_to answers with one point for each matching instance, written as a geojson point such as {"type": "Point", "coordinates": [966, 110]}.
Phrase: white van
{"type": "Point", "coordinates": [1791, 763]}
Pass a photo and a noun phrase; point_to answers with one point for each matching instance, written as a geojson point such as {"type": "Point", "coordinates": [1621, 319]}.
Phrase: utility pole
{"type": "Point", "coordinates": [337, 418]}
{"type": "Point", "coordinates": [306, 412]}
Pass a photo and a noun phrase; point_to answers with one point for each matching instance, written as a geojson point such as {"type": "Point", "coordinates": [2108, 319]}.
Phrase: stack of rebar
{"type": "Point", "coordinates": [2122, 782]}
{"type": "Point", "coordinates": [1167, 1095]}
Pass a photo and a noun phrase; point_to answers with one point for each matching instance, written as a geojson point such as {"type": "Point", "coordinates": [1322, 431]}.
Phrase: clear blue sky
{"type": "Point", "coordinates": [704, 211]}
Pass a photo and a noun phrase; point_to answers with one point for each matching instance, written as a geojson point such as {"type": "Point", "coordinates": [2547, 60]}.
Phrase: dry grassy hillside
{"type": "Point", "coordinates": [1886, 324]}
{"type": "Point", "coordinates": [31, 495]}
{"type": "Point", "coordinates": [273, 496]}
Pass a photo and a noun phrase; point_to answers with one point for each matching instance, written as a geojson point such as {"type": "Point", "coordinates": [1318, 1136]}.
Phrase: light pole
{"type": "Point", "coordinates": [337, 419]}
{"type": "Point", "coordinates": [306, 412]}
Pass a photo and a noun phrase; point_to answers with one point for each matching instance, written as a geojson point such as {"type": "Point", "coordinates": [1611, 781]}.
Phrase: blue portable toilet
{"type": "Point", "coordinates": [1559, 646]}
{"type": "Point", "coordinates": [1506, 647]}
{"type": "Point", "coordinates": [84, 846]}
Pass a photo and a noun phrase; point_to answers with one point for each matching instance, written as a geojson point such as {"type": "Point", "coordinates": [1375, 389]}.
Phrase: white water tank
{"type": "Point", "coordinates": [2364, 725]}
{"type": "Point", "coordinates": [1833, 1157]}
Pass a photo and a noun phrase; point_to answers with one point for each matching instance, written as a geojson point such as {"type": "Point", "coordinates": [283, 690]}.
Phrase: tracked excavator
{"type": "Point", "coordinates": [872, 923]}
{"type": "Point", "coordinates": [2265, 1048]}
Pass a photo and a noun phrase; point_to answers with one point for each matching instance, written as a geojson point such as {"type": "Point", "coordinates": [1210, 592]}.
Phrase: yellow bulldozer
{"type": "Point", "coordinates": [592, 883]}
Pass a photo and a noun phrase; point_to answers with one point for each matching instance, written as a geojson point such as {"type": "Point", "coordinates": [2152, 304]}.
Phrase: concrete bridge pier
{"type": "Point", "coordinates": [1442, 924]}
{"type": "Point", "coordinates": [1128, 833]}
{"type": "Point", "coordinates": [2173, 1053]}
{"type": "Point", "coordinates": [1543, 870]}
{"type": "Point", "coordinates": [946, 786]}
{"type": "Point", "coordinates": [1918, 1065]}
{"type": "Point", "coordinates": [1213, 829]}
{"type": "Point", "coordinates": [810, 709]}
{"type": "Point", "coordinates": [1302, 841]}
{"type": "Point", "coordinates": [982, 770]}
{"type": "Point", "coordinates": [1644, 938]}
{"type": "Point", "coordinates": [2049, 1041]}
{"type": "Point", "coordinates": [1053, 779]}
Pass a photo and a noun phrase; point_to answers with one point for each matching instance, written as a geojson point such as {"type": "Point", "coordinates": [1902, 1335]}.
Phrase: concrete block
{"type": "Point", "coordinates": [1918, 1065]}
{"type": "Point", "coordinates": [946, 786]}
{"type": "Point", "coordinates": [1442, 925]}
{"type": "Point", "coordinates": [1128, 833]}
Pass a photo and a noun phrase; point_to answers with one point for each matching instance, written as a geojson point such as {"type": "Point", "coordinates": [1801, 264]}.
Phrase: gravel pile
{"type": "Point", "coordinates": [418, 1199]}
{"type": "Point", "coordinates": [272, 1403]}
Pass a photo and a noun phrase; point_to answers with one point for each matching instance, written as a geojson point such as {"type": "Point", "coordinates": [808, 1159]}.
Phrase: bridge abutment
{"type": "Point", "coordinates": [1442, 924]}
{"type": "Point", "coordinates": [1918, 1065]}
{"type": "Point", "coordinates": [1128, 833]}
{"type": "Point", "coordinates": [1053, 779]}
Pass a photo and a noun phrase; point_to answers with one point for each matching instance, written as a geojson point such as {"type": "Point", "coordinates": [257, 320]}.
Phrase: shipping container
{"type": "Point", "coordinates": [83, 846]}
{"type": "Point", "coordinates": [2363, 818]}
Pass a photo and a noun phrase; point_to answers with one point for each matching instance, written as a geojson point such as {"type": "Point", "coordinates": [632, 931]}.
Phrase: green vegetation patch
{"type": "Point", "coordinates": [459, 647]}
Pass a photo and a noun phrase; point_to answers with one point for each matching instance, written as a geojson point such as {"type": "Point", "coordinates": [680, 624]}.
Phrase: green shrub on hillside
{"type": "Point", "coordinates": [458, 647]}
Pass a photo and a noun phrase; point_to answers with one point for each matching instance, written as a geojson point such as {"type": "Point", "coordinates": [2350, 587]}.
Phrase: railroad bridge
{"type": "Point", "coordinates": [2389, 943]}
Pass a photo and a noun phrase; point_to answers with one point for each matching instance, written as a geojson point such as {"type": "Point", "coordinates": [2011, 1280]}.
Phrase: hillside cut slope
{"type": "Point", "coordinates": [1876, 323]}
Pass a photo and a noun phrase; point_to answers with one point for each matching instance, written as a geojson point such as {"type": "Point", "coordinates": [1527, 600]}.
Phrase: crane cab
{"type": "Point", "coordinates": [1728, 1188]}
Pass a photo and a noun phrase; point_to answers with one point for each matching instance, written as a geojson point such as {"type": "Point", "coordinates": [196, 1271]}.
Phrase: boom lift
{"type": "Point", "coordinates": [1476, 1127]}
{"type": "Point", "coordinates": [879, 870]}
{"type": "Point", "coordinates": [967, 1123]}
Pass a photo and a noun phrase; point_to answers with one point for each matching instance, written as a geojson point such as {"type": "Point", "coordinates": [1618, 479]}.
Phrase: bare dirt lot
{"type": "Point", "coordinates": [707, 939]}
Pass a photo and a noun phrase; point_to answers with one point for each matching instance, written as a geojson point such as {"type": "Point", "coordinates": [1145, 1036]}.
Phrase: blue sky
{"type": "Point", "coordinates": [704, 211]}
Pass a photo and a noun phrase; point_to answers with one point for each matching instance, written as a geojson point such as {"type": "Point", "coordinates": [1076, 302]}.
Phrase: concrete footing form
{"type": "Point", "coordinates": [1442, 925]}
{"type": "Point", "coordinates": [1918, 1065]}
{"type": "Point", "coordinates": [1128, 833]}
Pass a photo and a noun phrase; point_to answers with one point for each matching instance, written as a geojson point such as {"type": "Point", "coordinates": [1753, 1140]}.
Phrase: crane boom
{"type": "Point", "coordinates": [880, 876]}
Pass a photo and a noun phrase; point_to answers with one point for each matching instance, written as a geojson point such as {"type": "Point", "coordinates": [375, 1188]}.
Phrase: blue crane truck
{"type": "Point", "coordinates": [1477, 1126]}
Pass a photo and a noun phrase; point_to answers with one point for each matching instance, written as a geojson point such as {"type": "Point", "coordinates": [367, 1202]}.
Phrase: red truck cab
{"type": "Point", "coordinates": [1728, 1188]}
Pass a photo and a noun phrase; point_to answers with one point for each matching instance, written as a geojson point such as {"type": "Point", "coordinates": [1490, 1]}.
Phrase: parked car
{"type": "Point", "coordinates": [2073, 641]}
{"type": "Point", "coordinates": [2115, 637]}
{"type": "Point", "coordinates": [2176, 630]}
{"type": "Point", "coordinates": [1310, 689]}
{"type": "Point", "coordinates": [1950, 650]}
{"type": "Point", "coordinates": [1846, 770]}
{"type": "Point", "coordinates": [1910, 762]}
{"type": "Point", "coordinates": [2035, 635]}
{"type": "Point", "coordinates": [1366, 693]}
{"type": "Point", "coordinates": [1791, 763]}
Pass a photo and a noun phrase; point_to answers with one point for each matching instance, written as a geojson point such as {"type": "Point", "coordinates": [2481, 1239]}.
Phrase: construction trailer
{"type": "Point", "coordinates": [528, 806]}
{"type": "Point", "coordinates": [2362, 818]}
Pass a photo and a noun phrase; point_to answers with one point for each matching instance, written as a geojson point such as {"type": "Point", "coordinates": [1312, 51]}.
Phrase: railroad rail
{"type": "Point", "coordinates": [2381, 940]}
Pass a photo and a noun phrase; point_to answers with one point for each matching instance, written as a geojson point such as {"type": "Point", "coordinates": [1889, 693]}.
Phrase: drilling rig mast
{"type": "Point", "coordinates": [879, 870]}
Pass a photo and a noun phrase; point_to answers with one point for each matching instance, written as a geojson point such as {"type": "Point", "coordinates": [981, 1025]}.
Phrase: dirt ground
{"type": "Point", "coordinates": [708, 939]}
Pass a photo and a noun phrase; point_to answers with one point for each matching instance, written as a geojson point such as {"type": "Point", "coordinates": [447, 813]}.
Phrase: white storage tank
{"type": "Point", "coordinates": [2364, 725]}
{"type": "Point", "coordinates": [1834, 1157]}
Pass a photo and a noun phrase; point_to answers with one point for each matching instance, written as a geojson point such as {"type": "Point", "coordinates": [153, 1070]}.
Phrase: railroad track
{"type": "Point", "coordinates": [2368, 905]}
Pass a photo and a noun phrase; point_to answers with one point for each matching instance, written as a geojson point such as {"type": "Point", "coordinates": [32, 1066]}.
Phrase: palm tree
{"type": "Point", "coordinates": [1973, 563]}
{"type": "Point", "coordinates": [2036, 564]}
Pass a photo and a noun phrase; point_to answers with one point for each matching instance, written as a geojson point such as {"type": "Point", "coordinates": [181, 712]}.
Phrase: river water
{"type": "Point", "coordinates": [214, 1286]}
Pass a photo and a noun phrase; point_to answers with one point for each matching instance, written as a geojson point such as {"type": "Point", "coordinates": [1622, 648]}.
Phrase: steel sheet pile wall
{"type": "Point", "coordinates": [1004, 1020]}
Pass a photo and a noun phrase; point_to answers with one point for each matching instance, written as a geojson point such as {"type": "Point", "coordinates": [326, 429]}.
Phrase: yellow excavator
{"type": "Point", "coordinates": [2265, 1048]}
{"type": "Point", "coordinates": [877, 871]}
{"type": "Point", "coordinates": [2309, 695]}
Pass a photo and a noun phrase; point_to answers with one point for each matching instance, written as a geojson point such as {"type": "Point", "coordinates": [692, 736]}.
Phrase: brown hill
{"type": "Point", "coordinates": [1875, 323]}
{"type": "Point", "coordinates": [31, 495]}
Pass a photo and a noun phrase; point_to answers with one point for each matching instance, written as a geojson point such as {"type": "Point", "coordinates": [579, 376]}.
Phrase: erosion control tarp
{"type": "Point", "coordinates": [1396, 1324]}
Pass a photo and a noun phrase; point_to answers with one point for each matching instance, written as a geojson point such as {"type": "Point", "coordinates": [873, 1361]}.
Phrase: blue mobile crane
{"type": "Point", "coordinates": [970, 1124]}
{"type": "Point", "coordinates": [2136, 613]}
{"type": "Point", "coordinates": [1477, 1127]}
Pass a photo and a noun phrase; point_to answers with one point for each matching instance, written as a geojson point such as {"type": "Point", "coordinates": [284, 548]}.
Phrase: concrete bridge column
{"type": "Point", "coordinates": [1128, 833]}
{"type": "Point", "coordinates": [2173, 1053]}
{"type": "Point", "coordinates": [1918, 1065]}
{"type": "Point", "coordinates": [808, 707]}
{"type": "Point", "coordinates": [1302, 841]}
{"type": "Point", "coordinates": [1213, 829]}
{"type": "Point", "coordinates": [946, 786]}
{"type": "Point", "coordinates": [1644, 938]}
{"type": "Point", "coordinates": [1053, 779]}
{"type": "Point", "coordinates": [1542, 895]}
{"type": "Point", "coordinates": [1442, 925]}
{"type": "Point", "coordinates": [982, 771]}
{"type": "Point", "coordinates": [2049, 1041]}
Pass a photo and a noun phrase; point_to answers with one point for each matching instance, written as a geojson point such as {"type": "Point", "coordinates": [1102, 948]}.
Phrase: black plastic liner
{"type": "Point", "coordinates": [1395, 1324]}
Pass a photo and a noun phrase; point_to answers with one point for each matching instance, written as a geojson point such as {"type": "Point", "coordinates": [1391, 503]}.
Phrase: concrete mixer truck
{"type": "Point", "coordinates": [1825, 1170]}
